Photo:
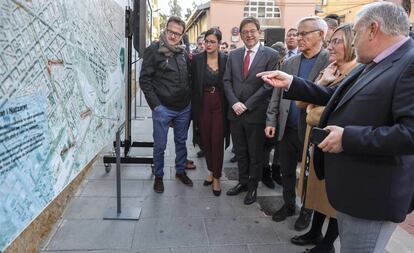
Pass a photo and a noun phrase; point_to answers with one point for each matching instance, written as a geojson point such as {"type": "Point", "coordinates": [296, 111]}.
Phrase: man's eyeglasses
{"type": "Point", "coordinates": [171, 33]}
{"type": "Point", "coordinates": [211, 42]}
{"type": "Point", "coordinates": [303, 34]}
{"type": "Point", "coordinates": [249, 32]}
{"type": "Point", "coordinates": [335, 41]}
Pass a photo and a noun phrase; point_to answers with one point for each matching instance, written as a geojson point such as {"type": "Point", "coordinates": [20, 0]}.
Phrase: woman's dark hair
{"type": "Point", "coordinates": [213, 31]}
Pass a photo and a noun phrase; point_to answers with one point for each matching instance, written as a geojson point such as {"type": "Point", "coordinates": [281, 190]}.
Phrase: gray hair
{"type": "Point", "coordinates": [319, 22]}
{"type": "Point", "coordinates": [392, 18]}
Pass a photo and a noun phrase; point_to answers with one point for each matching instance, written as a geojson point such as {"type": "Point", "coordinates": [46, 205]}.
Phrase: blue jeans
{"type": "Point", "coordinates": [363, 236]}
{"type": "Point", "coordinates": [161, 116]}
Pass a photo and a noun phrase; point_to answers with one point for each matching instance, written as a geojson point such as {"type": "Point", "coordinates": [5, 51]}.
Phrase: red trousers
{"type": "Point", "coordinates": [212, 131]}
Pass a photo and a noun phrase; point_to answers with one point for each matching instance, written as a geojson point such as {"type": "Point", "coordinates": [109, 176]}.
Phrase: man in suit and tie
{"type": "Point", "coordinates": [291, 43]}
{"type": "Point", "coordinates": [367, 159]}
{"type": "Point", "coordinates": [289, 120]}
{"type": "Point", "coordinates": [248, 97]}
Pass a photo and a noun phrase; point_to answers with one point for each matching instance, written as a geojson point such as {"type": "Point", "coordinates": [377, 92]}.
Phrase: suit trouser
{"type": "Point", "coordinates": [290, 150]}
{"type": "Point", "coordinates": [248, 139]}
{"type": "Point", "coordinates": [212, 132]}
{"type": "Point", "coordinates": [363, 236]}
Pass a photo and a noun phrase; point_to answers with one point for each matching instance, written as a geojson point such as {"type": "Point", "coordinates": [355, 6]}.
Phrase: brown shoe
{"type": "Point", "coordinates": [189, 165]}
{"type": "Point", "coordinates": [158, 185]}
{"type": "Point", "coordinates": [184, 179]}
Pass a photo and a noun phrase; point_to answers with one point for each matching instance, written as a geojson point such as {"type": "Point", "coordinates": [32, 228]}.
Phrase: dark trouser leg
{"type": "Point", "coordinates": [255, 144]}
{"type": "Point", "coordinates": [205, 129]}
{"type": "Point", "coordinates": [332, 232]}
{"type": "Point", "coordinates": [317, 223]}
{"type": "Point", "coordinates": [212, 132]}
{"type": "Point", "coordinates": [289, 150]}
{"type": "Point", "coordinates": [217, 136]}
{"type": "Point", "coordinates": [276, 160]}
{"type": "Point", "coordinates": [238, 135]}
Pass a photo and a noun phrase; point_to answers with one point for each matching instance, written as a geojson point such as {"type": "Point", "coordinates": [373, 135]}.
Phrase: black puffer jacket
{"type": "Point", "coordinates": [165, 80]}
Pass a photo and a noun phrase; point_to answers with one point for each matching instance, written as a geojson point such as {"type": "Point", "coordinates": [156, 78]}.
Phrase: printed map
{"type": "Point", "coordinates": [63, 62]}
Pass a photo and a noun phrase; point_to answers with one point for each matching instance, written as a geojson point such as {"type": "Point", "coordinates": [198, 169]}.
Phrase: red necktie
{"type": "Point", "coordinates": [246, 63]}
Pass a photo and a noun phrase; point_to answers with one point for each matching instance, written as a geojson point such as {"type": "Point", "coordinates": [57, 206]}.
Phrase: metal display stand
{"type": "Point", "coordinates": [127, 144]}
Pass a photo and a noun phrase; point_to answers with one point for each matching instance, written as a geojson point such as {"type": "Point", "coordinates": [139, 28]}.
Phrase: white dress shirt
{"type": "Point", "coordinates": [252, 53]}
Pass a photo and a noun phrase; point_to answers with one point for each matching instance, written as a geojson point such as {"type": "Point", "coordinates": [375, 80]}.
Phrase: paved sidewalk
{"type": "Point", "coordinates": [181, 220]}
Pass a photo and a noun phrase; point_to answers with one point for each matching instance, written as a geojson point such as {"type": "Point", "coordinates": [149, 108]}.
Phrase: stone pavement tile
{"type": "Point", "coordinates": [128, 171]}
{"type": "Point", "coordinates": [64, 251]}
{"type": "Point", "coordinates": [157, 207]}
{"type": "Point", "coordinates": [408, 224]}
{"type": "Point", "coordinates": [169, 232]}
{"type": "Point", "coordinates": [92, 235]}
{"type": "Point", "coordinates": [81, 187]}
{"type": "Point", "coordinates": [214, 249]}
{"type": "Point", "coordinates": [107, 188]}
{"type": "Point", "coordinates": [175, 188]}
{"type": "Point", "coordinates": [240, 230]}
{"type": "Point", "coordinates": [285, 229]}
{"type": "Point", "coordinates": [263, 191]}
{"type": "Point", "coordinates": [157, 250]}
{"type": "Point", "coordinates": [270, 204]}
{"type": "Point", "coordinates": [95, 207]}
{"type": "Point", "coordinates": [276, 248]}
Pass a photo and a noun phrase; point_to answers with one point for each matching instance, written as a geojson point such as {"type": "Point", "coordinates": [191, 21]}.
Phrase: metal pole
{"type": "Point", "coordinates": [128, 77]}
{"type": "Point", "coordinates": [135, 85]}
{"type": "Point", "coordinates": [118, 171]}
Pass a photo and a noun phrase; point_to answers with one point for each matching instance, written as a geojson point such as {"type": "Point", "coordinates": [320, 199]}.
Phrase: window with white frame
{"type": "Point", "coordinates": [262, 9]}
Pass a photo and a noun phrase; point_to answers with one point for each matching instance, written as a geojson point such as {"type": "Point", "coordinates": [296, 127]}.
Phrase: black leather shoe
{"type": "Point", "coordinates": [268, 182]}
{"type": "Point", "coordinates": [305, 239]}
{"type": "Point", "coordinates": [239, 188]}
{"type": "Point", "coordinates": [304, 219]}
{"type": "Point", "coordinates": [233, 159]}
{"type": "Point", "coordinates": [207, 183]}
{"type": "Point", "coordinates": [276, 174]}
{"type": "Point", "coordinates": [184, 178]}
{"type": "Point", "coordinates": [284, 212]}
{"type": "Point", "coordinates": [158, 185]}
{"type": "Point", "coordinates": [250, 197]}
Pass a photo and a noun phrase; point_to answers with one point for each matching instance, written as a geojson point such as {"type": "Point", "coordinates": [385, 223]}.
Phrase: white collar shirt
{"type": "Point", "coordinates": [252, 53]}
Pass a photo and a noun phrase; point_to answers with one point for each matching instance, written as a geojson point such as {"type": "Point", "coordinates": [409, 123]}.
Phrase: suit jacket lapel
{"type": "Point", "coordinates": [257, 58]}
{"type": "Point", "coordinates": [317, 67]}
{"type": "Point", "coordinates": [202, 69]}
{"type": "Point", "coordinates": [296, 65]}
{"type": "Point", "coordinates": [333, 102]}
{"type": "Point", "coordinates": [364, 81]}
{"type": "Point", "coordinates": [222, 67]}
{"type": "Point", "coordinates": [240, 58]}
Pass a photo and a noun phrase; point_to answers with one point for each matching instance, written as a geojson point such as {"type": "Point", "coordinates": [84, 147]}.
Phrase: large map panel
{"type": "Point", "coordinates": [61, 98]}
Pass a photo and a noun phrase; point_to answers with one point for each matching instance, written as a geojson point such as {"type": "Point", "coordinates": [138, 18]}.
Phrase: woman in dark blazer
{"type": "Point", "coordinates": [209, 106]}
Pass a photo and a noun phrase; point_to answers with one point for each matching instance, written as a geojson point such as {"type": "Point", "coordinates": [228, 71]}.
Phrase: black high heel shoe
{"type": "Point", "coordinates": [207, 183]}
{"type": "Point", "coordinates": [216, 193]}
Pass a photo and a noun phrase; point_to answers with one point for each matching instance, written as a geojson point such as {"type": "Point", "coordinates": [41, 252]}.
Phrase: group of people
{"type": "Point", "coordinates": [352, 81]}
